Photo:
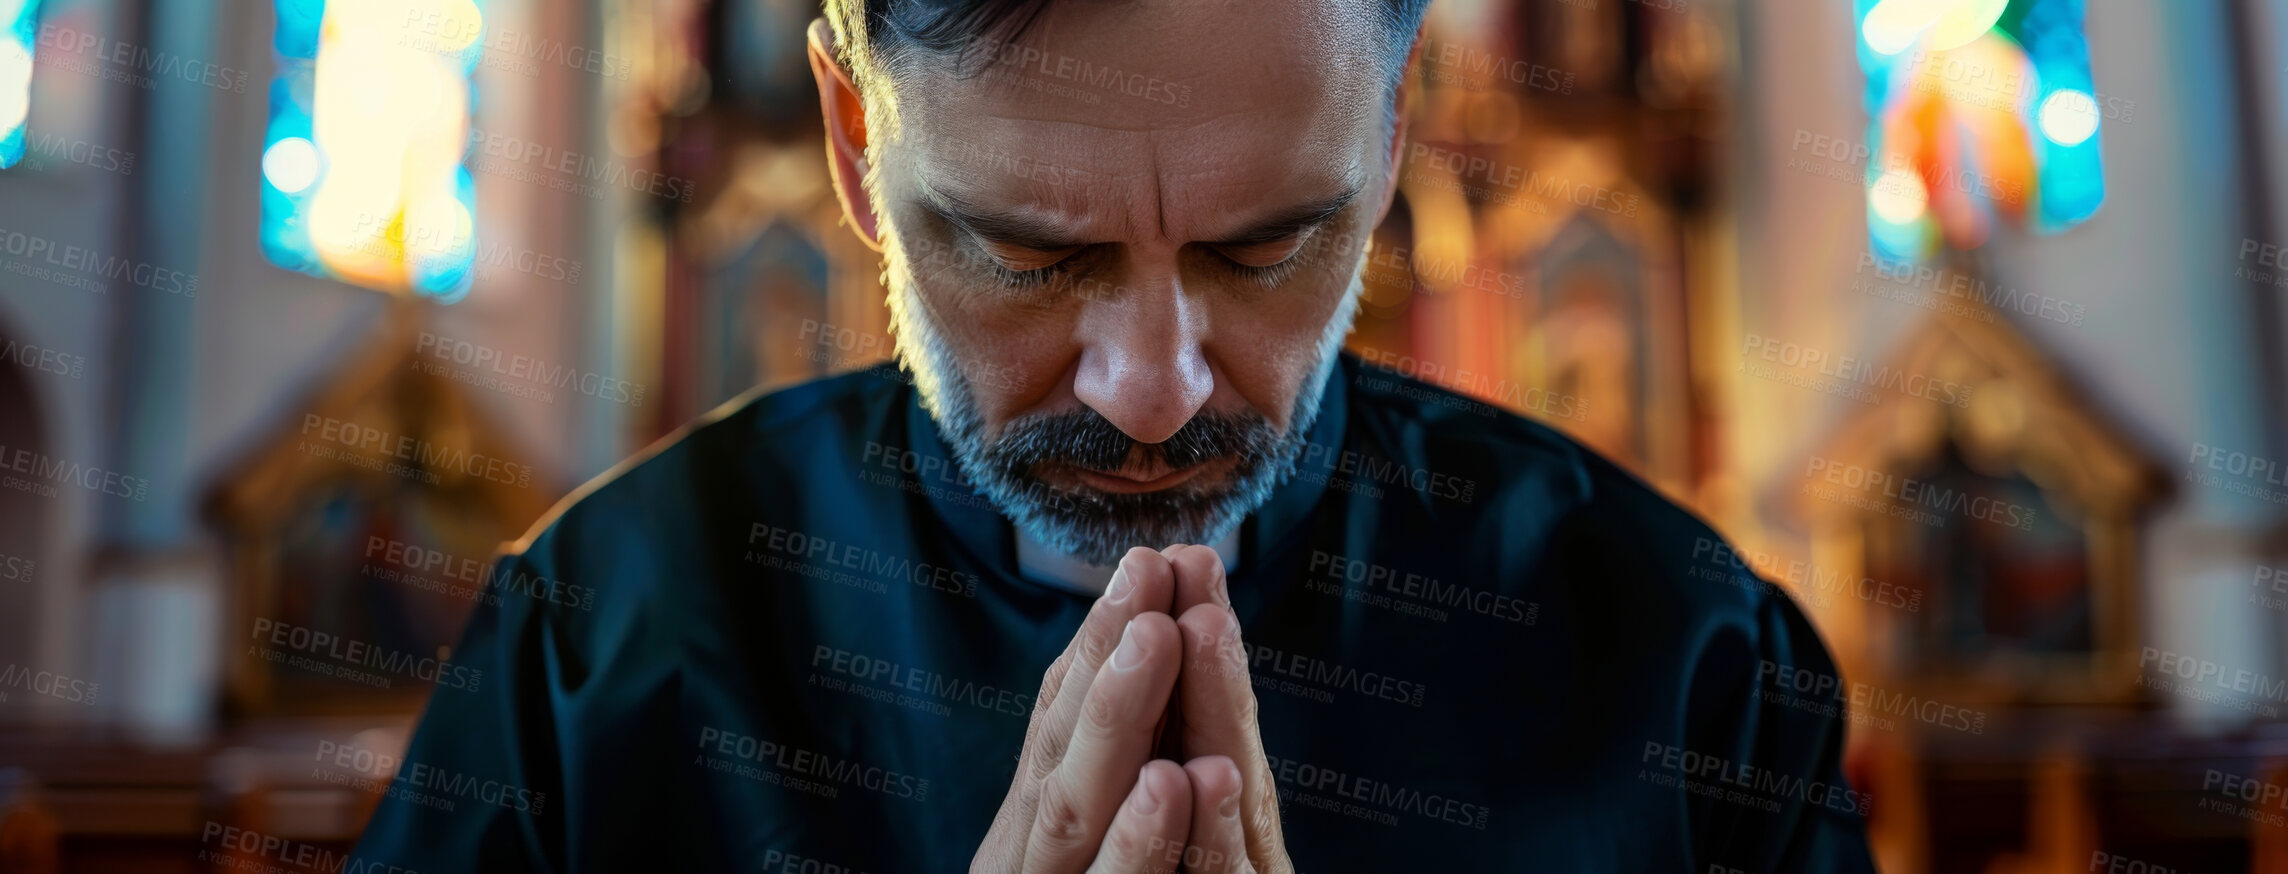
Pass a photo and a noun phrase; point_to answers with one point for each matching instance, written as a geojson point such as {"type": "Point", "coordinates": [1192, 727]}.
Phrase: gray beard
{"type": "Point", "coordinates": [1099, 527]}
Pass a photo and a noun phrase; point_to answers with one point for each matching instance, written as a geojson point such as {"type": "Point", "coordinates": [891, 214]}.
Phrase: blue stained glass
{"type": "Point", "coordinates": [298, 21]}
{"type": "Point", "coordinates": [303, 164]}
{"type": "Point", "coordinates": [448, 275]}
{"type": "Point", "coordinates": [2069, 184]}
{"type": "Point", "coordinates": [285, 232]}
{"type": "Point", "coordinates": [18, 37]}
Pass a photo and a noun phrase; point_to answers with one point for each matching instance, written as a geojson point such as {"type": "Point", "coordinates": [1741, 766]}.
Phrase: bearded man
{"type": "Point", "coordinates": [1127, 567]}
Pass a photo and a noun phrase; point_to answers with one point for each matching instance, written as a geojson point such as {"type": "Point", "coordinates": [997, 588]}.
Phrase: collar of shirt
{"type": "Point", "coordinates": [1042, 564]}
{"type": "Point", "coordinates": [972, 521]}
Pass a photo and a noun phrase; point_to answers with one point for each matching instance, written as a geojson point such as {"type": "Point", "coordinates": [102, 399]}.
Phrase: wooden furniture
{"type": "Point", "coordinates": [82, 803]}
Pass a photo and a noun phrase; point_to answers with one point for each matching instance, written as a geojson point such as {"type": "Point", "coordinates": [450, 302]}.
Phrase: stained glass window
{"type": "Point", "coordinates": [19, 19]}
{"type": "Point", "coordinates": [1981, 110]}
{"type": "Point", "coordinates": [364, 173]}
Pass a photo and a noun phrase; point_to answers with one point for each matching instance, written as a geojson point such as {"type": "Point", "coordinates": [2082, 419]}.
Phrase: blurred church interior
{"type": "Point", "coordinates": [2013, 250]}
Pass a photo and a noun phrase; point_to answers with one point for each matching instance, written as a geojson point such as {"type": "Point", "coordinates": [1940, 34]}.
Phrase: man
{"type": "Point", "coordinates": [1136, 573]}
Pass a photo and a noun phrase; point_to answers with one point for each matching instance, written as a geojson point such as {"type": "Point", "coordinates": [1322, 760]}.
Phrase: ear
{"type": "Point", "coordinates": [845, 134]}
{"type": "Point", "coordinates": [1398, 130]}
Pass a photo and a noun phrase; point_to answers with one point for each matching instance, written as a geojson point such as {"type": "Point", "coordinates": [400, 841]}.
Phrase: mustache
{"type": "Point", "coordinates": [1085, 438]}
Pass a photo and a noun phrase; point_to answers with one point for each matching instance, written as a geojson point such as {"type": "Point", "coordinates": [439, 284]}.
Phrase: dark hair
{"type": "Point", "coordinates": [873, 36]}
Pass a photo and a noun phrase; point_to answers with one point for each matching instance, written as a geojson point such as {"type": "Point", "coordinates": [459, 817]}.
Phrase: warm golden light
{"type": "Point", "coordinates": [391, 119]}
{"type": "Point", "coordinates": [459, 26]}
{"type": "Point", "coordinates": [1894, 25]}
{"type": "Point", "coordinates": [438, 228]}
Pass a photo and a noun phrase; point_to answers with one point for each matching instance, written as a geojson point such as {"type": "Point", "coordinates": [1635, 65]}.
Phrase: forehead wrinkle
{"type": "Point", "coordinates": [1072, 207]}
{"type": "Point", "coordinates": [977, 159]}
{"type": "Point", "coordinates": [1203, 165]}
{"type": "Point", "coordinates": [1159, 191]}
{"type": "Point", "coordinates": [1241, 180]}
{"type": "Point", "coordinates": [1236, 190]}
{"type": "Point", "coordinates": [1004, 99]}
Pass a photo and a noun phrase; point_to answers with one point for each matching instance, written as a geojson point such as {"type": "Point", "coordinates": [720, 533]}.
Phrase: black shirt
{"type": "Point", "coordinates": [1477, 646]}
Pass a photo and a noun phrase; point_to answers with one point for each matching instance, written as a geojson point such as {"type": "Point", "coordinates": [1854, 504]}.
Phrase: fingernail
{"type": "Point", "coordinates": [1118, 591]}
{"type": "Point", "coordinates": [1146, 802]}
{"type": "Point", "coordinates": [1130, 654]}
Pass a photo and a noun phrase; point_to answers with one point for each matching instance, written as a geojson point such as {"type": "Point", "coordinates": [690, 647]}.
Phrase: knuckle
{"type": "Point", "coordinates": [1036, 731]}
{"type": "Point", "coordinates": [1101, 714]}
{"type": "Point", "coordinates": [1047, 754]}
{"type": "Point", "coordinates": [1264, 820]}
{"type": "Point", "coordinates": [1092, 648]}
{"type": "Point", "coordinates": [1057, 822]}
{"type": "Point", "coordinates": [1051, 680]}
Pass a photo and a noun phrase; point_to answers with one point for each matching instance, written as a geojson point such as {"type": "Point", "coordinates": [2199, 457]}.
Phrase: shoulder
{"type": "Point", "coordinates": [712, 470]}
{"type": "Point", "coordinates": [1546, 505]}
{"type": "Point", "coordinates": [1651, 597]}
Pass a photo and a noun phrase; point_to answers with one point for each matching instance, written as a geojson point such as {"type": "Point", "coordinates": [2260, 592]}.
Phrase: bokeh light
{"type": "Point", "coordinates": [1899, 197]}
{"type": "Point", "coordinates": [2069, 117]}
{"type": "Point", "coordinates": [1980, 111]}
{"type": "Point", "coordinates": [1958, 23]}
{"type": "Point", "coordinates": [1893, 26]}
{"type": "Point", "coordinates": [290, 164]}
{"type": "Point", "coordinates": [18, 24]}
{"type": "Point", "coordinates": [369, 130]}
{"type": "Point", "coordinates": [15, 82]}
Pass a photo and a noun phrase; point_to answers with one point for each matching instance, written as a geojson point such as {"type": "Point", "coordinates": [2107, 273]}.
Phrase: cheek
{"type": "Point", "coordinates": [1014, 357]}
{"type": "Point", "coordinates": [1272, 341]}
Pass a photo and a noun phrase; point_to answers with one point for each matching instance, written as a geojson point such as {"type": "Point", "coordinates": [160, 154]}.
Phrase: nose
{"type": "Point", "coordinates": [1141, 364]}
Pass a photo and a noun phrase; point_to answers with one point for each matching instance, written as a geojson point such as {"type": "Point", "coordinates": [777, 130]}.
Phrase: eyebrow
{"type": "Point", "coordinates": [1047, 235]}
{"type": "Point", "coordinates": [1012, 230]}
{"type": "Point", "coordinates": [1291, 222]}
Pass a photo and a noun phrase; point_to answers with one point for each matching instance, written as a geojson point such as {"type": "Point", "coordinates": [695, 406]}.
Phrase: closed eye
{"type": "Point", "coordinates": [1033, 278]}
{"type": "Point", "coordinates": [1250, 267]}
{"type": "Point", "coordinates": [1027, 268]}
{"type": "Point", "coordinates": [1267, 254]}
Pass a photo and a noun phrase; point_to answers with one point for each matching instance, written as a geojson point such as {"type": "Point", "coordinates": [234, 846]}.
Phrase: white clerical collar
{"type": "Point", "coordinates": [1037, 562]}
